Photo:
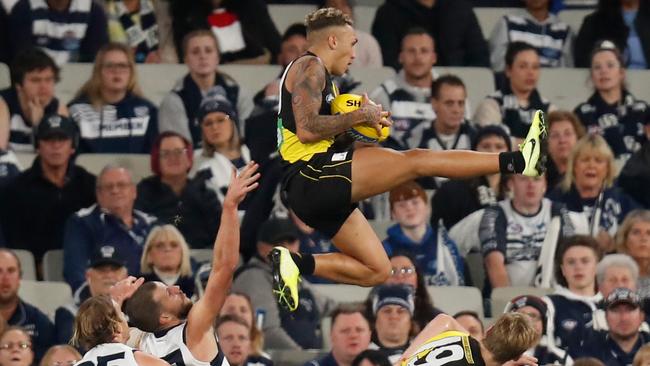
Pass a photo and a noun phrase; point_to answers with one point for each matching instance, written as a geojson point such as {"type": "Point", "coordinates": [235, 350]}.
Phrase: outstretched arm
{"type": "Point", "coordinates": [308, 82]}
{"type": "Point", "coordinates": [225, 256]}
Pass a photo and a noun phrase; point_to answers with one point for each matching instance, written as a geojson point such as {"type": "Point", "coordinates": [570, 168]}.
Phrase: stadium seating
{"type": "Point", "coordinates": [364, 15]}
{"type": "Point", "coordinates": [27, 264]}
{"type": "Point", "coordinates": [201, 255]}
{"type": "Point", "coordinates": [47, 296]}
{"type": "Point", "coordinates": [295, 357]}
{"type": "Point", "coordinates": [502, 295]}
{"type": "Point", "coordinates": [344, 293]}
{"type": "Point", "coordinates": [370, 77]}
{"type": "Point", "coordinates": [573, 17]}
{"type": "Point", "coordinates": [488, 18]}
{"type": "Point", "coordinates": [283, 15]}
{"type": "Point", "coordinates": [638, 82]}
{"type": "Point", "coordinates": [565, 87]}
{"type": "Point", "coordinates": [53, 265]}
{"type": "Point", "coordinates": [252, 78]}
{"type": "Point", "coordinates": [452, 299]}
{"type": "Point", "coordinates": [138, 164]}
{"type": "Point", "coordinates": [380, 227]}
{"type": "Point", "coordinates": [476, 268]}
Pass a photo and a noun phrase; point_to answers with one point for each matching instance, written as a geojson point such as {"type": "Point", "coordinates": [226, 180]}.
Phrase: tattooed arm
{"type": "Point", "coordinates": [308, 83]}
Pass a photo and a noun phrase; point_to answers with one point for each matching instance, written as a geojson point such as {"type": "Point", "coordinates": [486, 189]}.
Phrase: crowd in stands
{"type": "Point", "coordinates": [581, 233]}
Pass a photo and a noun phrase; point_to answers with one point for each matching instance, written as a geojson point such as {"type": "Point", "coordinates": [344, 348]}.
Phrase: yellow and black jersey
{"type": "Point", "coordinates": [449, 348]}
{"type": "Point", "coordinates": [290, 148]}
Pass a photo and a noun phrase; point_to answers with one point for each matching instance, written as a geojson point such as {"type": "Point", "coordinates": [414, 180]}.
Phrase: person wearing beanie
{"type": "Point", "coordinates": [535, 308]}
{"type": "Point", "coordinates": [222, 147]}
{"type": "Point", "coordinates": [457, 198]}
{"type": "Point", "coordinates": [175, 198]}
{"type": "Point", "coordinates": [435, 253]}
{"type": "Point", "coordinates": [392, 308]}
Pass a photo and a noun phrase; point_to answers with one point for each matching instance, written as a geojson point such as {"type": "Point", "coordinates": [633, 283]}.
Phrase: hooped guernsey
{"type": "Point", "coordinates": [450, 348]}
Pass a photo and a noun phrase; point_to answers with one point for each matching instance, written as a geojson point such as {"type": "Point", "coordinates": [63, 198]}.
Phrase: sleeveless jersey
{"type": "Point", "coordinates": [109, 354]}
{"type": "Point", "coordinates": [451, 348]}
{"type": "Point", "coordinates": [170, 345]}
{"type": "Point", "coordinates": [290, 148]}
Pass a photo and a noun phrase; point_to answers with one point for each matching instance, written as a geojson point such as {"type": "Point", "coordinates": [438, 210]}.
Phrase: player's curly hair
{"type": "Point", "coordinates": [510, 337]}
{"type": "Point", "coordinates": [326, 17]}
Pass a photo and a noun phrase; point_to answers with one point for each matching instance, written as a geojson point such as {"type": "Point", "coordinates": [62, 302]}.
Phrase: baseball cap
{"type": "Point", "coordinates": [56, 125]}
{"type": "Point", "coordinates": [216, 101]}
{"type": "Point", "coordinates": [406, 191]}
{"type": "Point", "coordinates": [276, 231]}
{"type": "Point", "coordinates": [107, 254]}
{"type": "Point", "coordinates": [622, 295]}
{"type": "Point", "coordinates": [399, 294]}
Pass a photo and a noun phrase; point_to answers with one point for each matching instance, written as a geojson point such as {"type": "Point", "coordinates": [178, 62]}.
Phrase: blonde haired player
{"type": "Point", "coordinates": [444, 342]}
{"type": "Point", "coordinates": [322, 182]}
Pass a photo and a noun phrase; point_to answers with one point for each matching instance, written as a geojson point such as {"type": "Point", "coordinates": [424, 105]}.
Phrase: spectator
{"type": "Point", "coordinates": [176, 199]}
{"type": "Point", "coordinates": [282, 329]}
{"type": "Point", "coordinates": [392, 306]}
{"type": "Point", "coordinates": [545, 350]}
{"type": "Point", "coordinates": [574, 300]}
{"type": "Point", "coordinates": [134, 23]}
{"type": "Point", "coordinates": [179, 109]}
{"type": "Point", "coordinates": [513, 232]}
{"type": "Point", "coordinates": [456, 199]}
{"type": "Point", "coordinates": [564, 130]}
{"type": "Point", "coordinates": [16, 348]}
{"type": "Point", "coordinates": [435, 253]}
{"type": "Point", "coordinates": [349, 336]}
{"type": "Point", "coordinates": [405, 271]}
{"type": "Point", "coordinates": [635, 176]}
{"type": "Point", "coordinates": [535, 24]}
{"type": "Point", "coordinates": [449, 130]}
{"type": "Point", "coordinates": [28, 100]}
{"type": "Point", "coordinates": [642, 357]}
{"type": "Point", "coordinates": [107, 267]}
{"type": "Point", "coordinates": [633, 239]}
{"type": "Point", "coordinates": [244, 29]}
{"type": "Point", "coordinates": [36, 203]}
{"type": "Point", "coordinates": [235, 342]}
{"type": "Point", "coordinates": [61, 355]}
{"type": "Point", "coordinates": [515, 103]}
{"type": "Point", "coordinates": [619, 345]}
{"type": "Point", "coordinates": [239, 304]}
{"type": "Point", "coordinates": [408, 94]}
{"type": "Point", "coordinates": [625, 22]}
{"type": "Point", "coordinates": [110, 222]}
{"type": "Point", "coordinates": [367, 52]}
{"type": "Point", "coordinates": [166, 258]}
{"type": "Point", "coordinates": [472, 323]}
{"type": "Point", "coordinates": [587, 188]}
{"type": "Point", "coordinates": [18, 313]}
{"type": "Point", "coordinates": [612, 111]}
{"type": "Point", "coordinates": [109, 108]}
{"type": "Point", "coordinates": [452, 23]}
{"type": "Point", "coordinates": [370, 357]}
{"type": "Point", "coordinates": [613, 271]}
{"type": "Point", "coordinates": [68, 30]}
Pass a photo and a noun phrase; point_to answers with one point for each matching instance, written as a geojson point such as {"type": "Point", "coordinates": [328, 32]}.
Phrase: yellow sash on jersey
{"type": "Point", "coordinates": [426, 348]}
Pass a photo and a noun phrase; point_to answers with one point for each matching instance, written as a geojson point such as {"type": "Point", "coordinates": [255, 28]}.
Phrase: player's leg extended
{"type": "Point", "coordinates": [362, 261]}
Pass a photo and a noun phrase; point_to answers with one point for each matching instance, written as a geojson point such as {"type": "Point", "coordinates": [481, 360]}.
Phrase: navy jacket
{"type": "Point", "coordinates": [91, 228]}
{"type": "Point", "coordinates": [598, 344]}
{"type": "Point", "coordinates": [37, 325]}
{"type": "Point", "coordinates": [328, 360]}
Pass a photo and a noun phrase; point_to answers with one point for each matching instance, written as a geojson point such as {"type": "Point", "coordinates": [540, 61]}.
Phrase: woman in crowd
{"type": "Point", "coordinates": [173, 197]}
{"type": "Point", "coordinates": [239, 304]}
{"type": "Point", "coordinates": [16, 347]}
{"type": "Point", "coordinates": [112, 114]}
{"type": "Point", "coordinates": [235, 342]}
{"type": "Point", "coordinates": [515, 104]}
{"type": "Point", "coordinates": [612, 110]}
{"type": "Point", "coordinates": [571, 306]}
{"type": "Point", "coordinates": [625, 22]}
{"type": "Point", "coordinates": [179, 108]}
{"type": "Point", "coordinates": [61, 355]}
{"type": "Point", "coordinates": [633, 239]}
{"type": "Point", "coordinates": [587, 188]}
{"type": "Point", "coordinates": [222, 147]}
{"type": "Point", "coordinates": [166, 258]}
{"type": "Point", "coordinates": [405, 271]}
{"type": "Point", "coordinates": [564, 130]}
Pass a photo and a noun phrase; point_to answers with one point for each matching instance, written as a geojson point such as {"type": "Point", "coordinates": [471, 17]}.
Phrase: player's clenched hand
{"type": "Point", "coordinates": [242, 183]}
{"type": "Point", "coordinates": [374, 115]}
{"type": "Point", "coordinates": [524, 360]}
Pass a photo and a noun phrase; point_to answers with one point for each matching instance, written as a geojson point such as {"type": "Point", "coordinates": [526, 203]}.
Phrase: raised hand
{"type": "Point", "coordinates": [124, 289]}
{"type": "Point", "coordinates": [242, 183]}
{"type": "Point", "coordinates": [35, 110]}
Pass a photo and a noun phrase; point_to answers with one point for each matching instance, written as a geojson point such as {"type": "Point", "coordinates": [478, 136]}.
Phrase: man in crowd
{"type": "Point", "coordinates": [392, 306]}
